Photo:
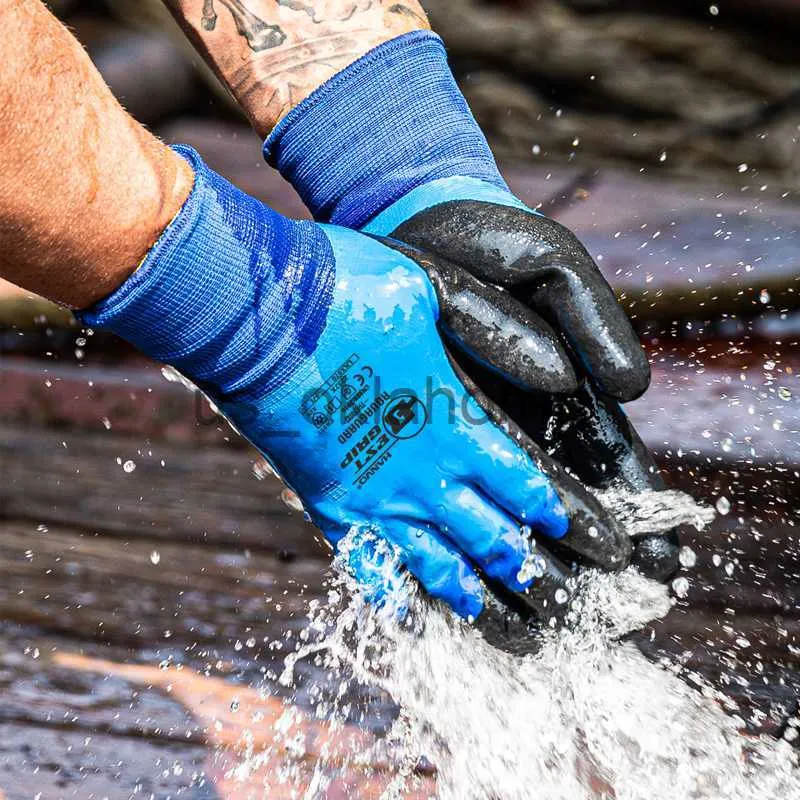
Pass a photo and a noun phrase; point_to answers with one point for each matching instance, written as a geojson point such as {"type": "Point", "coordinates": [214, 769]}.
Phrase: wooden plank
{"type": "Point", "coordinates": [38, 691]}
{"type": "Point", "coordinates": [131, 398]}
{"type": "Point", "coordinates": [166, 492]}
{"type": "Point", "coordinates": [254, 750]}
{"type": "Point", "coordinates": [673, 249]}
{"type": "Point", "coordinates": [742, 418]}
{"type": "Point", "coordinates": [37, 762]}
{"type": "Point", "coordinates": [104, 589]}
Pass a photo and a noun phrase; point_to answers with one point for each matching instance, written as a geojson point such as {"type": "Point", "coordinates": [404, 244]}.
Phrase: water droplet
{"type": "Point", "coordinates": [155, 557]}
{"type": "Point", "coordinates": [723, 505]}
{"type": "Point", "coordinates": [534, 567]}
{"type": "Point", "coordinates": [129, 466]}
{"type": "Point", "coordinates": [687, 557]}
{"type": "Point", "coordinates": [292, 500]}
{"type": "Point", "coordinates": [743, 167]}
{"type": "Point", "coordinates": [713, 10]}
{"type": "Point", "coordinates": [235, 704]}
{"type": "Point", "coordinates": [262, 469]}
{"type": "Point", "coordinates": [763, 297]}
{"type": "Point", "coordinates": [784, 393]}
{"type": "Point", "coordinates": [681, 587]}
{"type": "Point", "coordinates": [561, 596]}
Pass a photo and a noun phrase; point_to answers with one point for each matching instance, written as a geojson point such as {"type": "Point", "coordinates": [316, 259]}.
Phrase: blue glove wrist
{"type": "Point", "coordinates": [227, 273]}
{"type": "Point", "coordinates": [387, 124]}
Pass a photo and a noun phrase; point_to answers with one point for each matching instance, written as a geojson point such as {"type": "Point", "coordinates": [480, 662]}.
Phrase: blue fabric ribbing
{"type": "Point", "coordinates": [233, 294]}
{"type": "Point", "coordinates": [390, 122]}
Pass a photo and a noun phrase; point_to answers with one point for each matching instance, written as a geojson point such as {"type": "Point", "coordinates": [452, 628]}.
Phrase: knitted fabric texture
{"type": "Point", "coordinates": [388, 123]}
{"type": "Point", "coordinates": [233, 295]}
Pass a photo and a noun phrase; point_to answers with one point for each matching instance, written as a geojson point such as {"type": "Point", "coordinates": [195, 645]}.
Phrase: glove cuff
{"type": "Point", "coordinates": [233, 295]}
{"type": "Point", "coordinates": [390, 122]}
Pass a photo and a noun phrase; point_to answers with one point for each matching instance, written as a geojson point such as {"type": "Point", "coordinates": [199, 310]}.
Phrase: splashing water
{"type": "Point", "coordinates": [584, 716]}
{"type": "Point", "coordinates": [645, 512]}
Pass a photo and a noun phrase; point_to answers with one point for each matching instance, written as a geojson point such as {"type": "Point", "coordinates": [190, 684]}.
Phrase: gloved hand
{"type": "Point", "coordinates": [321, 346]}
{"type": "Point", "coordinates": [389, 146]}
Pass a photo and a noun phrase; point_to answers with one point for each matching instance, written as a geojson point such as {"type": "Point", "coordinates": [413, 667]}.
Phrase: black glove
{"type": "Point", "coordinates": [542, 265]}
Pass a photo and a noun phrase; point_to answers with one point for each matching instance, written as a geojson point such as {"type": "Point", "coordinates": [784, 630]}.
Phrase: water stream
{"type": "Point", "coordinates": [585, 715]}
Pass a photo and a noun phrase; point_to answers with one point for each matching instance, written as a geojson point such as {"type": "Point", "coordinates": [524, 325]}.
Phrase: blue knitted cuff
{"type": "Point", "coordinates": [233, 295]}
{"type": "Point", "coordinates": [390, 122]}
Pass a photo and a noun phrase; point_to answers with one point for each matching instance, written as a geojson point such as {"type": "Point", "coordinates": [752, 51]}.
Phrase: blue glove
{"type": "Point", "coordinates": [389, 146]}
{"type": "Point", "coordinates": [321, 346]}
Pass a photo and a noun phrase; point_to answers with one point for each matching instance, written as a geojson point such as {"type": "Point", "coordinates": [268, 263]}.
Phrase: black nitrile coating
{"type": "Point", "coordinates": [548, 353]}
{"type": "Point", "coordinates": [520, 251]}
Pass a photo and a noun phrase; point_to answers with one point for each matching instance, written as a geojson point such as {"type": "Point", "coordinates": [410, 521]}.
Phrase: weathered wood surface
{"type": "Point", "coordinates": [69, 581]}
{"type": "Point", "coordinates": [209, 603]}
{"type": "Point", "coordinates": [87, 396]}
{"type": "Point", "coordinates": [50, 764]}
{"type": "Point", "coordinates": [177, 730]}
{"type": "Point", "coordinates": [174, 493]}
{"type": "Point", "coordinates": [628, 86]}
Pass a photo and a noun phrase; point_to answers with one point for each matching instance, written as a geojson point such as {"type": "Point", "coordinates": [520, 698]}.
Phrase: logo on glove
{"type": "Point", "coordinates": [405, 417]}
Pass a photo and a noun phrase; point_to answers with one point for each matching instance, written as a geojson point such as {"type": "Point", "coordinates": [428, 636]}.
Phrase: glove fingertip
{"type": "Point", "coordinates": [469, 605]}
{"type": "Point", "coordinates": [627, 383]}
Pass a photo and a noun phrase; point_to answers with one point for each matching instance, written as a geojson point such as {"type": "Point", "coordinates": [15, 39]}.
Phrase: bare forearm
{"type": "Point", "coordinates": [84, 190]}
{"type": "Point", "coordinates": [272, 54]}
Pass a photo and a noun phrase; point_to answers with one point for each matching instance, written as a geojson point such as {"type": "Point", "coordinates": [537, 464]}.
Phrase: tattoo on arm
{"type": "Point", "coordinates": [259, 35]}
{"type": "Point", "coordinates": [272, 54]}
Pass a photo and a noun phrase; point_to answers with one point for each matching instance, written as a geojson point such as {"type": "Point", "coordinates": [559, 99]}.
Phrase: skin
{"type": "Point", "coordinates": [85, 191]}
{"type": "Point", "coordinates": [272, 54]}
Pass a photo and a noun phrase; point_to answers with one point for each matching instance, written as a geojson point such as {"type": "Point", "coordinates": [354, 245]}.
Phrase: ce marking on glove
{"type": "Point", "coordinates": [342, 394]}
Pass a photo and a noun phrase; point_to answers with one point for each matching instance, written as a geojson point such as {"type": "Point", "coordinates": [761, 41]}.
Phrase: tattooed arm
{"type": "Point", "coordinates": [272, 54]}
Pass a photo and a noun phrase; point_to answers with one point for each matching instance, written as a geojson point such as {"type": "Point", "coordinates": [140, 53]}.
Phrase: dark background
{"type": "Point", "coordinates": [683, 88]}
